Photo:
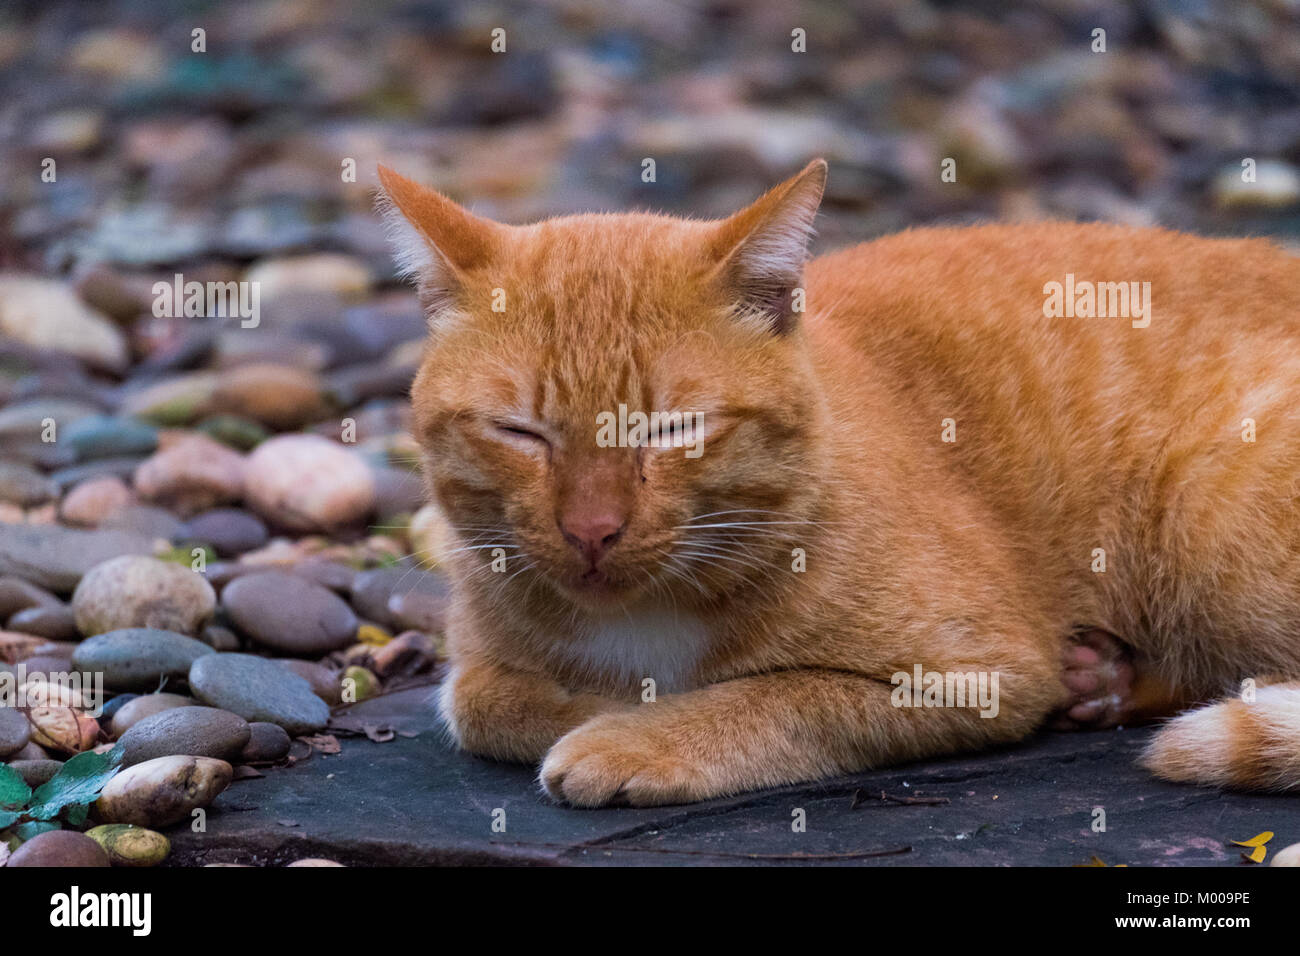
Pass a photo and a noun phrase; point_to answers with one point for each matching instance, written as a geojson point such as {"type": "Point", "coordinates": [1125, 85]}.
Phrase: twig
{"type": "Point", "coordinates": [863, 855]}
{"type": "Point", "coordinates": [859, 799]}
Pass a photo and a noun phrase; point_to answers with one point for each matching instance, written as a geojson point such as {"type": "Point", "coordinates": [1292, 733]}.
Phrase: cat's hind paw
{"type": "Point", "coordinates": [1098, 674]}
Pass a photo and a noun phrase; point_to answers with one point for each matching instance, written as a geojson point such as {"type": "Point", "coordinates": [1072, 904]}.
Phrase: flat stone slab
{"type": "Point", "coordinates": [415, 801]}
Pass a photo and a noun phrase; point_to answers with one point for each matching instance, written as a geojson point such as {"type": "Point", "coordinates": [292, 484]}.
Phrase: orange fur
{"type": "Point", "coordinates": [822, 437]}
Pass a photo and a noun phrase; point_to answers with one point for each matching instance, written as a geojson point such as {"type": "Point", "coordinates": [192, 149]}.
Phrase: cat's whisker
{"type": "Point", "coordinates": [709, 558]}
{"type": "Point", "coordinates": [480, 547]}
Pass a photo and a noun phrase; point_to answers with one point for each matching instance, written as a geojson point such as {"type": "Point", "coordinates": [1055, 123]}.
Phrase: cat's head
{"type": "Point", "coordinates": [621, 403]}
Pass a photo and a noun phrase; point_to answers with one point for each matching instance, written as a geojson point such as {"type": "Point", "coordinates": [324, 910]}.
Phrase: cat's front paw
{"type": "Point", "coordinates": [618, 759]}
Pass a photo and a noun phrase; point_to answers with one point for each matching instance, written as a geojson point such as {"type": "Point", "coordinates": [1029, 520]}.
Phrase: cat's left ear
{"type": "Point", "coordinates": [761, 250]}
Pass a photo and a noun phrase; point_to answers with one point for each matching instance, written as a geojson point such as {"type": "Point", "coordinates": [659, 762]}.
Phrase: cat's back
{"type": "Point", "coordinates": [997, 273]}
{"type": "Point", "coordinates": [1060, 309]}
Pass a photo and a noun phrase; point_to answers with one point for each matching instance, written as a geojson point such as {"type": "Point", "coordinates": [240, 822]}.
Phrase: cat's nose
{"type": "Point", "coordinates": [593, 531]}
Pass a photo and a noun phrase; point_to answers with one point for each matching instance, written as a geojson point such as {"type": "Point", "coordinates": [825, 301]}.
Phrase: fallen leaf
{"type": "Point", "coordinates": [1257, 840]}
{"type": "Point", "coordinates": [325, 743]}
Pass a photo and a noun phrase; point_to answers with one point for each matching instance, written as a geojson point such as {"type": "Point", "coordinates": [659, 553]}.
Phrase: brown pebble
{"type": "Point", "coordinates": [35, 772]}
{"type": "Point", "coordinates": [59, 848]}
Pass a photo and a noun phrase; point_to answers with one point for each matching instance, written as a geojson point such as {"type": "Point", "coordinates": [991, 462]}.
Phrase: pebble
{"type": "Point", "coordinates": [401, 597]}
{"type": "Point", "coordinates": [105, 436]}
{"type": "Point", "coordinates": [192, 474]}
{"type": "Point", "coordinates": [142, 707]}
{"type": "Point", "coordinates": [139, 658]}
{"type": "Point", "coordinates": [25, 486]}
{"type": "Point", "coordinates": [39, 665]}
{"type": "Point", "coordinates": [220, 638]}
{"type": "Point", "coordinates": [239, 433]}
{"type": "Point", "coordinates": [14, 731]}
{"type": "Point", "coordinates": [174, 401]}
{"type": "Point", "coordinates": [119, 295]}
{"type": "Point", "coordinates": [315, 861]}
{"type": "Point", "coordinates": [328, 574]}
{"type": "Point", "coordinates": [145, 520]}
{"type": "Point", "coordinates": [46, 313]}
{"type": "Point", "coordinates": [229, 531]}
{"type": "Point", "coordinates": [398, 492]}
{"type": "Point", "coordinates": [18, 595]}
{"type": "Point", "coordinates": [61, 848]}
{"type": "Point", "coordinates": [30, 419]}
{"type": "Point", "coordinates": [113, 705]}
{"type": "Point", "coordinates": [123, 468]}
{"type": "Point", "coordinates": [258, 689]}
{"type": "Point", "coordinates": [52, 621]}
{"type": "Point", "coordinates": [323, 680]}
{"type": "Point", "coordinates": [142, 592]}
{"type": "Point", "coordinates": [359, 684]}
{"type": "Point", "coordinates": [322, 272]}
{"type": "Point", "coordinates": [15, 647]}
{"type": "Point", "coordinates": [95, 499]}
{"type": "Point", "coordinates": [35, 772]}
{"type": "Point", "coordinates": [56, 558]}
{"type": "Point", "coordinates": [32, 751]}
{"type": "Point", "coordinates": [128, 845]}
{"type": "Point", "coordinates": [198, 731]}
{"type": "Point", "coordinates": [163, 791]}
{"type": "Point", "coordinates": [280, 396]}
{"type": "Point", "coordinates": [308, 483]}
{"type": "Point", "coordinates": [1276, 186]}
{"type": "Point", "coordinates": [289, 613]}
{"type": "Point", "coordinates": [1287, 856]}
{"type": "Point", "coordinates": [267, 743]}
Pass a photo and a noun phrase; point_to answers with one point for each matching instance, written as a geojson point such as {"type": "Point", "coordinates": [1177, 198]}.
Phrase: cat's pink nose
{"type": "Point", "coordinates": [593, 531]}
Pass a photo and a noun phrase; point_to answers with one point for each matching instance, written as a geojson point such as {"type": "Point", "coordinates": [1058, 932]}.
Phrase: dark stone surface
{"type": "Point", "coordinates": [415, 801]}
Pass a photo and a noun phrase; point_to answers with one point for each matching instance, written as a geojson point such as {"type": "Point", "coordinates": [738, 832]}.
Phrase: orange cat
{"type": "Point", "coordinates": [728, 520]}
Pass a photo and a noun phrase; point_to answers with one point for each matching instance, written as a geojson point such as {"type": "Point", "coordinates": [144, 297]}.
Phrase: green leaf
{"type": "Point", "coordinates": [13, 789]}
{"type": "Point", "coordinates": [77, 784]}
{"type": "Point", "coordinates": [25, 831]}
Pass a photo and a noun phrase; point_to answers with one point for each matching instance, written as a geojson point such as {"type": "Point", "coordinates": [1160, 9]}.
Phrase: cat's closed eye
{"type": "Point", "coordinates": [518, 433]}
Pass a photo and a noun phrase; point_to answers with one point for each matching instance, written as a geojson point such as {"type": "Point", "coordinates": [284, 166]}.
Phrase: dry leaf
{"type": "Point", "coordinates": [325, 743]}
{"type": "Point", "coordinates": [1257, 840]}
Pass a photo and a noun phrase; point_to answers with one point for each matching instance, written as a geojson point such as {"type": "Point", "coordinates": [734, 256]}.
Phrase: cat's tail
{"type": "Point", "coordinates": [1235, 743]}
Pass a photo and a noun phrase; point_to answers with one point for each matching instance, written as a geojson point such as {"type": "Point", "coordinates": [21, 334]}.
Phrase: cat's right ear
{"type": "Point", "coordinates": [436, 241]}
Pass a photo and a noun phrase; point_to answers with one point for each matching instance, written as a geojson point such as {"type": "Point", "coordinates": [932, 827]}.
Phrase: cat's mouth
{"type": "Point", "coordinates": [595, 586]}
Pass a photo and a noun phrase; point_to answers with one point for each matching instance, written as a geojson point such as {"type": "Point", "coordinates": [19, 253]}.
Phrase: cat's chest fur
{"type": "Point", "coordinates": [653, 640]}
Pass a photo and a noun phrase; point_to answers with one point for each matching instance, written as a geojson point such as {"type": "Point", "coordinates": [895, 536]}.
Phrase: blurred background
{"type": "Point", "coordinates": [167, 157]}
